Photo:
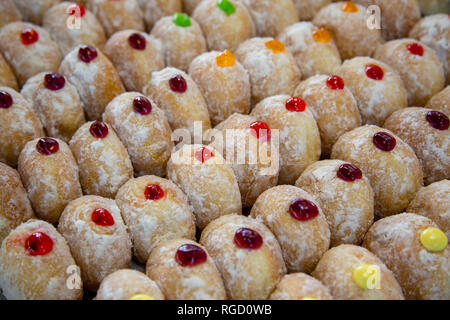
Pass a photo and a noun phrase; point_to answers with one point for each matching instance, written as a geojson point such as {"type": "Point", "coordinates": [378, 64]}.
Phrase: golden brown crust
{"type": "Point", "coordinates": [7, 78]}
{"type": "Point", "coordinates": [440, 101]}
{"type": "Point", "coordinates": [300, 286]}
{"type": "Point", "coordinates": [34, 10]}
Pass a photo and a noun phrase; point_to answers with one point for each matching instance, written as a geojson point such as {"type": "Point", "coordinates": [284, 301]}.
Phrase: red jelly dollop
{"type": "Point", "coordinates": [295, 104]}
{"type": "Point", "coordinates": [47, 146]}
{"type": "Point", "coordinates": [248, 239]}
{"type": "Point", "coordinates": [153, 192]}
{"type": "Point", "coordinates": [438, 120]}
{"type": "Point", "coordinates": [76, 10]}
{"type": "Point", "coordinates": [6, 100]}
{"type": "Point", "coordinates": [190, 255]}
{"type": "Point", "coordinates": [203, 154]}
{"type": "Point", "coordinates": [87, 53]}
{"type": "Point", "coordinates": [137, 41]}
{"type": "Point", "coordinates": [303, 210]}
{"type": "Point", "coordinates": [54, 81]}
{"type": "Point", "coordinates": [349, 172]}
{"type": "Point", "coordinates": [178, 84]}
{"type": "Point", "coordinates": [335, 83]}
{"type": "Point", "coordinates": [38, 244]}
{"type": "Point", "coordinates": [142, 105]}
{"type": "Point", "coordinates": [384, 141]}
{"type": "Point", "coordinates": [102, 217]}
{"type": "Point", "coordinates": [374, 72]}
{"type": "Point", "coordinates": [99, 129]}
{"type": "Point", "coordinates": [416, 49]}
{"type": "Point", "coordinates": [260, 130]}
{"type": "Point", "coordinates": [29, 36]}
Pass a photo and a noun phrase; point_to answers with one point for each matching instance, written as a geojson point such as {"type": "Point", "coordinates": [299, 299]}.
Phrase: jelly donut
{"type": "Point", "coordinates": [246, 143]}
{"type": "Point", "coordinates": [94, 76]}
{"type": "Point", "coordinates": [135, 55]}
{"type": "Point", "coordinates": [56, 102]}
{"type": "Point", "coordinates": [127, 284]}
{"type": "Point", "coordinates": [225, 23]}
{"type": "Point", "coordinates": [182, 40]}
{"type": "Point", "coordinates": [347, 22]}
{"type": "Point", "coordinates": [354, 273]}
{"type": "Point", "coordinates": [397, 17]}
{"type": "Point", "coordinates": [185, 271]}
{"type": "Point", "coordinates": [313, 48]}
{"type": "Point", "coordinates": [390, 164]}
{"type": "Point", "coordinates": [417, 253]}
{"type": "Point", "coordinates": [247, 255]}
{"type": "Point", "coordinates": [433, 6]}
{"type": "Point", "coordinates": [156, 9]}
{"type": "Point", "coordinates": [180, 98]}
{"type": "Point", "coordinates": [84, 27]}
{"type": "Point", "coordinates": [28, 49]}
{"type": "Point", "coordinates": [434, 31]}
{"type": "Point", "coordinates": [299, 134]}
{"type": "Point", "coordinates": [97, 237]}
{"type": "Point", "coordinates": [300, 286]}
{"type": "Point", "coordinates": [50, 175]}
{"type": "Point", "coordinates": [418, 66]}
{"type": "Point", "coordinates": [18, 123]}
{"type": "Point", "coordinates": [15, 207]}
{"type": "Point", "coordinates": [118, 15]}
{"type": "Point", "coordinates": [224, 83]}
{"type": "Point", "coordinates": [9, 12]}
{"type": "Point", "coordinates": [36, 264]}
{"type": "Point", "coordinates": [298, 223]}
{"type": "Point", "coordinates": [155, 210]}
{"type": "Point", "coordinates": [34, 10]}
{"type": "Point", "coordinates": [333, 106]}
{"type": "Point", "coordinates": [208, 182]}
{"type": "Point", "coordinates": [440, 101]}
{"type": "Point", "coordinates": [143, 129]}
{"type": "Point", "coordinates": [103, 161]}
{"type": "Point", "coordinates": [307, 9]}
{"type": "Point", "coordinates": [377, 88]}
{"type": "Point", "coordinates": [433, 202]}
{"type": "Point", "coordinates": [345, 196]}
{"type": "Point", "coordinates": [272, 68]}
{"type": "Point", "coordinates": [271, 16]}
{"type": "Point", "coordinates": [7, 77]}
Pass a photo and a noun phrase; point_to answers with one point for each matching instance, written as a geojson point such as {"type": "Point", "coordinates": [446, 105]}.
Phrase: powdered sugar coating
{"type": "Point", "coordinates": [7, 77]}
{"type": "Point", "coordinates": [9, 12]}
{"type": "Point", "coordinates": [156, 9]}
{"type": "Point", "coordinates": [34, 10]}
{"type": "Point", "coordinates": [298, 286]}
{"type": "Point", "coordinates": [307, 9]}
{"type": "Point", "coordinates": [421, 273]}
{"type": "Point", "coordinates": [440, 101]}
{"type": "Point", "coordinates": [26, 277]}
{"type": "Point", "coordinates": [199, 282]}
{"type": "Point", "coordinates": [247, 274]}
{"type": "Point", "coordinates": [104, 163]}
{"type": "Point", "coordinates": [395, 176]}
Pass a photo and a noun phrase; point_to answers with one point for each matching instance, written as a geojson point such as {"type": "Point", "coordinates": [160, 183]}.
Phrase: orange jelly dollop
{"type": "Point", "coordinates": [321, 35]}
{"type": "Point", "coordinates": [349, 7]}
{"type": "Point", "coordinates": [275, 45]}
{"type": "Point", "coordinates": [226, 59]}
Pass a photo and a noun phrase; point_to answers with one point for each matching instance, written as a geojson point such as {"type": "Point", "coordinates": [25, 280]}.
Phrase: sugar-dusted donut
{"type": "Point", "coordinates": [127, 284]}
{"type": "Point", "coordinates": [271, 67]}
{"type": "Point", "coordinates": [440, 101]}
{"type": "Point", "coordinates": [247, 255]}
{"type": "Point", "coordinates": [154, 10]}
{"type": "Point", "coordinates": [298, 223]}
{"type": "Point", "coordinates": [313, 48]}
{"type": "Point", "coordinates": [182, 39]}
{"type": "Point", "coordinates": [307, 9]}
{"type": "Point", "coordinates": [7, 77]}
{"type": "Point", "coordinates": [207, 180]}
{"type": "Point", "coordinates": [70, 24]}
{"type": "Point", "coordinates": [345, 196]}
{"type": "Point", "coordinates": [155, 210]}
{"type": "Point", "coordinates": [34, 10]}
{"type": "Point", "coordinates": [9, 12]}
{"type": "Point", "coordinates": [94, 76]}
{"type": "Point", "coordinates": [29, 50]}
{"type": "Point", "coordinates": [390, 164]}
{"type": "Point", "coordinates": [56, 102]}
{"type": "Point", "coordinates": [300, 286]}
{"type": "Point", "coordinates": [416, 251]}
{"type": "Point", "coordinates": [15, 207]}
{"type": "Point", "coordinates": [333, 106]}
{"type": "Point", "coordinates": [18, 125]}
{"type": "Point", "coordinates": [36, 264]}
{"type": "Point", "coordinates": [97, 237]}
{"type": "Point", "coordinates": [224, 83]}
{"type": "Point", "coordinates": [143, 129]}
{"type": "Point", "coordinates": [427, 132]}
{"type": "Point", "coordinates": [102, 158]}
{"type": "Point", "coordinates": [354, 273]}
{"type": "Point", "coordinates": [50, 175]}
{"type": "Point", "coordinates": [184, 270]}
{"type": "Point", "coordinates": [418, 66]}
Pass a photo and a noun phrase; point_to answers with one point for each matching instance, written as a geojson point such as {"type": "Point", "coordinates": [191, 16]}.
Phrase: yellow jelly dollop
{"type": "Point", "coordinates": [141, 296]}
{"type": "Point", "coordinates": [433, 239]}
{"type": "Point", "coordinates": [308, 298]}
{"type": "Point", "coordinates": [275, 45]}
{"type": "Point", "coordinates": [226, 59]}
{"type": "Point", "coordinates": [349, 7]}
{"type": "Point", "coordinates": [366, 276]}
{"type": "Point", "coordinates": [321, 35]}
